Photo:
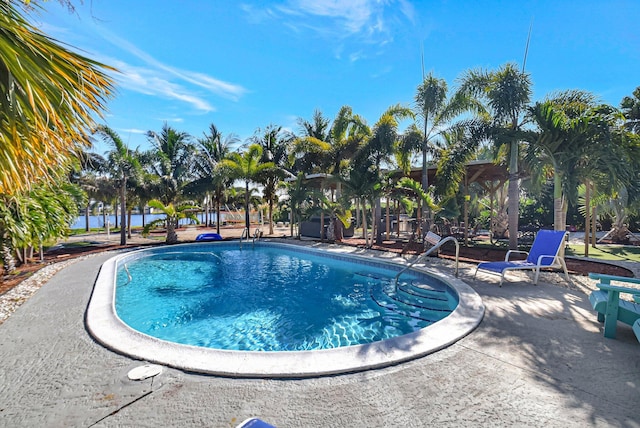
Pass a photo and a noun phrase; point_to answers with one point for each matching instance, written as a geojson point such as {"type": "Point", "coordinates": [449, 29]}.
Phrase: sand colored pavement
{"type": "Point", "coordinates": [538, 358]}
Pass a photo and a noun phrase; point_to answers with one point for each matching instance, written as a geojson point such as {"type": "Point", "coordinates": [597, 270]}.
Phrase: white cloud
{"type": "Point", "coordinates": [353, 15]}
{"type": "Point", "coordinates": [157, 78]}
{"type": "Point", "coordinates": [355, 56]}
{"type": "Point", "coordinates": [151, 82]}
{"type": "Point", "coordinates": [256, 15]}
{"type": "Point", "coordinates": [133, 131]}
{"type": "Point", "coordinates": [408, 10]}
{"type": "Point", "coordinates": [359, 22]}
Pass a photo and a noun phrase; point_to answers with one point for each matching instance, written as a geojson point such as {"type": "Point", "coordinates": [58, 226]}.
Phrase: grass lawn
{"type": "Point", "coordinates": [606, 252]}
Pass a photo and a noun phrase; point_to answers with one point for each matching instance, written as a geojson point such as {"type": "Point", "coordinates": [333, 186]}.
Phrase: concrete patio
{"type": "Point", "coordinates": [537, 359]}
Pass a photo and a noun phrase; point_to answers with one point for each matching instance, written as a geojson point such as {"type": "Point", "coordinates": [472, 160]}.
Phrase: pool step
{"type": "Point", "coordinates": [372, 276]}
{"type": "Point", "coordinates": [424, 297]}
{"type": "Point", "coordinates": [388, 301]}
{"type": "Point", "coordinates": [440, 303]}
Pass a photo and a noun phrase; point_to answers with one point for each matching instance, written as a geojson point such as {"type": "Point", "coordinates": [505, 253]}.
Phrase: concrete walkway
{"type": "Point", "coordinates": [537, 359]}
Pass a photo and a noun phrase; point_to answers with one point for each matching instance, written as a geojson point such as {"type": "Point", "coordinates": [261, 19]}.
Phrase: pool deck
{"type": "Point", "coordinates": [538, 358]}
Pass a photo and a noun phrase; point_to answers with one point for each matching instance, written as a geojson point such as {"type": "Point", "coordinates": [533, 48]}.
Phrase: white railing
{"type": "Point", "coordinates": [438, 244]}
{"type": "Point", "coordinates": [244, 235]}
{"type": "Point", "coordinates": [257, 234]}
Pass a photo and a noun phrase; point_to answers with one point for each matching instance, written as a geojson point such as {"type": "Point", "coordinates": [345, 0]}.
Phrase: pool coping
{"type": "Point", "coordinates": [106, 327]}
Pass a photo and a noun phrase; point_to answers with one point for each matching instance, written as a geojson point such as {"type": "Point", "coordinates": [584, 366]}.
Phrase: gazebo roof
{"type": "Point", "coordinates": [480, 171]}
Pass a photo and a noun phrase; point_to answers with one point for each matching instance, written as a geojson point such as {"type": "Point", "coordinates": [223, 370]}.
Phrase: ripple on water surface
{"type": "Point", "coordinates": [260, 299]}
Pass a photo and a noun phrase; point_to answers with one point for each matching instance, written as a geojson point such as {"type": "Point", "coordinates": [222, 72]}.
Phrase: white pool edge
{"type": "Point", "coordinates": [107, 328]}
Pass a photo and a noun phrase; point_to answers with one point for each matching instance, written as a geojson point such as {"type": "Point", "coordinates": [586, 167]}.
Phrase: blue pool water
{"type": "Point", "coordinates": [267, 298]}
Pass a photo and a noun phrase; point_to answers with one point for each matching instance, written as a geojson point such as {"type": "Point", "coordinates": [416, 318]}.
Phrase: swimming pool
{"type": "Point", "coordinates": [355, 328]}
{"type": "Point", "coordinates": [264, 298]}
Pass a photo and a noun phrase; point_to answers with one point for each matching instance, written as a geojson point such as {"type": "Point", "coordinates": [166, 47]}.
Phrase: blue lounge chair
{"type": "Point", "coordinates": [547, 251]}
{"type": "Point", "coordinates": [611, 309]}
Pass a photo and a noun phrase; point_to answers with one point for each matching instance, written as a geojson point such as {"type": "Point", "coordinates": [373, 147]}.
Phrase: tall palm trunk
{"type": "Point", "coordinates": [172, 236]}
{"type": "Point", "coordinates": [129, 215]}
{"type": "Point", "coordinates": [558, 202]}
{"type": "Point", "coordinates": [104, 216]}
{"type": "Point", "coordinates": [271, 216]}
{"type": "Point", "coordinates": [218, 216]}
{"type": "Point", "coordinates": [587, 217]}
{"type": "Point", "coordinates": [425, 180]}
{"type": "Point", "coordinates": [514, 197]}
{"type": "Point", "coordinates": [364, 223]}
{"type": "Point", "coordinates": [246, 207]}
{"type": "Point", "coordinates": [123, 212]}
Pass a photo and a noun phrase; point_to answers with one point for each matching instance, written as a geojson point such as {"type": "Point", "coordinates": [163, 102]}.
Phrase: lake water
{"type": "Point", "coordinates": [97, 221]}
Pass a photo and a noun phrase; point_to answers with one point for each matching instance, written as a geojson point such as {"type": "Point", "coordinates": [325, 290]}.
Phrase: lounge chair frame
{"type": "Point", "coordinates": [547, 251]}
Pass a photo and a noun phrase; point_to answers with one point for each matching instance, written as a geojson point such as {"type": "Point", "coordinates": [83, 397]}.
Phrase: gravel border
{"type": "Point", "coordinates": [14, 298]}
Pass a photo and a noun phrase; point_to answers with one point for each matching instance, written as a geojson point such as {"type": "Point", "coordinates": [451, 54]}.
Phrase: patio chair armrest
{"type": "Point", "coordinates": [605, 284]}
{"type": "Point", "coordinates": [635, 292]}
{"type": "Point", "coordinates": [606, 279]}
{"type": "Point", "coordinates": [506, 257]}
{"type": "Point", "coordinates": [546, 256]}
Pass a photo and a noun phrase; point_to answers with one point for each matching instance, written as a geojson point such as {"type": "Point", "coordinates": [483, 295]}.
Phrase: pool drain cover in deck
{"type": "Point", "coordinates": [144, 372]}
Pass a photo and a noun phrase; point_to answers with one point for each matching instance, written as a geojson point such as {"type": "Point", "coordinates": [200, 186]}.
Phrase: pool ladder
{"type": "Point", "coordinates": [126, 269]}
{"type": "Point", "coordinates": [257, 233]}
{"type": "Point", "coordinates": [429, 251]}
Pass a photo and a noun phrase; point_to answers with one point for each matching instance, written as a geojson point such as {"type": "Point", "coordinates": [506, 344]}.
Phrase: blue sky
{"type": "Point", "coordinates": [245, 65]}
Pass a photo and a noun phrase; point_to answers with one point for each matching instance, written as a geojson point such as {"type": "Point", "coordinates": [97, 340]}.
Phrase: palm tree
{"type": "Point", "coordinates": [275, 143]}
{"type": "Point", "coordinates": [506, 93]}
{"type": "Point", "coordinates": [338, 212]}
{"type": "Point", "coordinates": [326, 148]}
{"type": "Point", "coordinates": [348, 134]}
{"type": "Point", "coordinates": [172, 161]}
{"type": "Point", "coordinates": [309, 150]}
{"type": "Point", "coordinates": [380, 148]}
{"type": "Point", "coordinates": [414, 188]}
{"type": "Point", "coordinates": [298, 193]}
{"type": "Point", "coordinates": [436, 112]}
{"type": "Point", "coordinates": [84, 174]}
{"type": "Point", "coordinates": [210, 176]}
{"type": "Point", "coordinates": [630, 107]}
{"type": "Point", "coordinates": [361, 182]}
{"type": "Point", "coordinates": [575, 141]}
{"type": "Point", "coordinates": [248, 167]}
{"type": "Point", "coordinates": [123, 166]}
{"type": "Point", "coordinates": [50, 96]}
{"type": "Point", "coordinates": [173, 215]}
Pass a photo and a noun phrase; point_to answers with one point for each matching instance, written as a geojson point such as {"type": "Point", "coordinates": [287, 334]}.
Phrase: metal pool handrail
{"type": "Point", "coordinates": [429, 251]}
{"type": "Point", "coordinates": [256, 235]}
{"type": "Point", "coordinates": [245, 235]}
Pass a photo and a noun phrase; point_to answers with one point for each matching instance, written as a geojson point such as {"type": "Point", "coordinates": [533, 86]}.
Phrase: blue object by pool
{"type": "Point", "coordinates": [255, 423]}
{"type": "Point", "coordinates": [205, 237]}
